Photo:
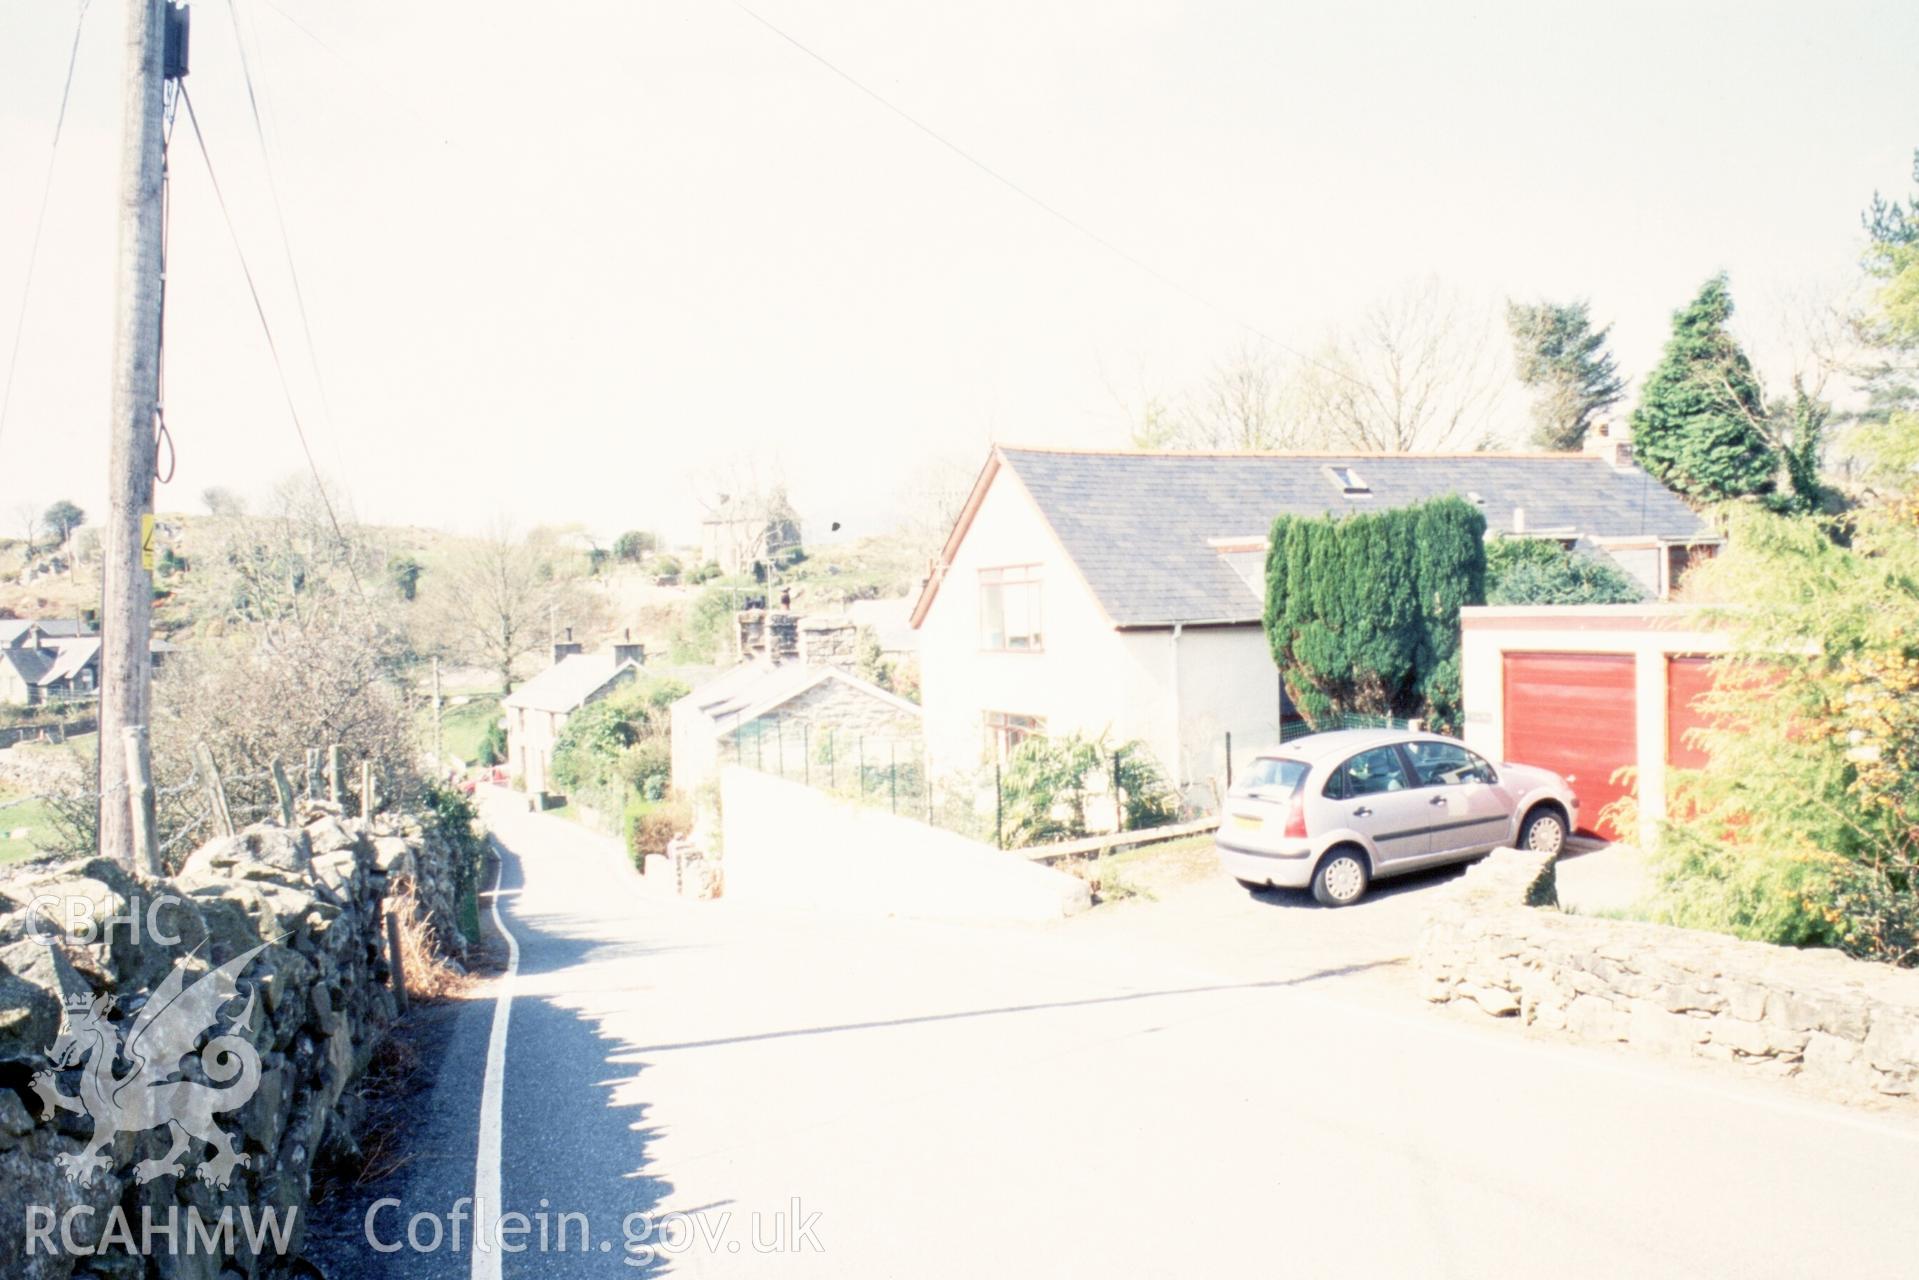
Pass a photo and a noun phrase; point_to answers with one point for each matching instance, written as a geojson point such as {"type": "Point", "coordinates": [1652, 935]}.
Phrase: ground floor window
{"type": "Point", "coordinates": [1005, 730]}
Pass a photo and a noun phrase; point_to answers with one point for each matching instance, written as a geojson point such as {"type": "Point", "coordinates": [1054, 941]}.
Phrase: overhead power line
{"type": "Point", "coordinates": [273, 347]}
{"type": "Point", "coordinates": [279, 214]}
{"type": "Point", "coordinates": [40, 220]}
{"type": "Point", "coordinates": [1040, 203]}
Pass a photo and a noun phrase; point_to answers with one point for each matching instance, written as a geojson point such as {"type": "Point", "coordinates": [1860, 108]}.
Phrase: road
{"type": "Point", "coordinates": [1210, 1084]}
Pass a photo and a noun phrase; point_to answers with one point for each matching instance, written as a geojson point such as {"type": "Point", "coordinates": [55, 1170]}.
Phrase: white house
{"type": "Point", "coordinates": [538, 710]}
{"type": "Point", "coordinates": [1122, 592]}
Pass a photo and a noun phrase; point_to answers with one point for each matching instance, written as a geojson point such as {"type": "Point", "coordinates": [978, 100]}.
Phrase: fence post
{"type": "Point", "coordinates": [146, 840]}
{"type": "Point", "coordinates": [368, 801]}
{"type": "Point", "coordinates": [216, 793]}
{"type": "Point", "coordinates": [893, 772]}
{"type": "Point", "coordinates": [394, 961]}
{"type": "Point", "coordinates": [1119, 800]}
{"type": "Point", "coordinates": [284, 791]}
{"type": "Point", "coordinates": [313, 773]}
{"type": "Point", "coordinates": [1229, 758]}
{"type": "Point", "coordinates": [333, 792]}
{"type": "Point", "coordinates": [999, 808]}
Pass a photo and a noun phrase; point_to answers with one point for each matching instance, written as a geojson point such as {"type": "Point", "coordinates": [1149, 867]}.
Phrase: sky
{"type": "Point", "coordinates": [591, 261]}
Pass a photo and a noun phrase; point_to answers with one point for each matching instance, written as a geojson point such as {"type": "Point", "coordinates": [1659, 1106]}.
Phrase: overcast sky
{"type": "Point", "coordinates": [562, 260]}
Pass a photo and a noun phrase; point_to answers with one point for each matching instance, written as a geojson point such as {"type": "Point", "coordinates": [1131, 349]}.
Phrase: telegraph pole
{"type": "Point", "coordinates": [126, 604]}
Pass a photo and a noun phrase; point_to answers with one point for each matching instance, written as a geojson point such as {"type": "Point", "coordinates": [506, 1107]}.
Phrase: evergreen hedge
{"type": "Point", "coordinates": [1362, 611]}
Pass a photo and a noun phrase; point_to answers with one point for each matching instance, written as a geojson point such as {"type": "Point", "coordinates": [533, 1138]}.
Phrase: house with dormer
{"type": "Point", "coordinates": [1122, 592]}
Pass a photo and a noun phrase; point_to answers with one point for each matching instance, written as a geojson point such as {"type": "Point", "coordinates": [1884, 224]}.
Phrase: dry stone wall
{"type": "Point", "coordinates": [303, 909]}
{"type": "Point", "coordinates": [1846, 1028]}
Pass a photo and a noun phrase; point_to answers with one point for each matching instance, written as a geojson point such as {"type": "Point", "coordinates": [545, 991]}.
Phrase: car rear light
{"type": "Point", "coordinates": [1296, 818]}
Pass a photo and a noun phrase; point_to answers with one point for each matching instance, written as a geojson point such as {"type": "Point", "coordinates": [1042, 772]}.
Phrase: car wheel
{"type": "Point", "coordinates": [1545, 832]}
{"type": "Point", "coordinates": [1341, 878]}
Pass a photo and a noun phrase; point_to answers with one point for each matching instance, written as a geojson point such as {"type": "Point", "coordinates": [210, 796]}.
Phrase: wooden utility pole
{"type": "Point", "coordinates": [126, 604]}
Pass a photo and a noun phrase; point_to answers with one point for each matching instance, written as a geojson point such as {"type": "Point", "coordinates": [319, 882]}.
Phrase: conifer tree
{"type": "Point", "coordinates": [1700, 422]}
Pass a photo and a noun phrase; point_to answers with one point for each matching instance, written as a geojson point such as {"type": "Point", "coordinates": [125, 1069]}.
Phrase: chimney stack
{"type": "Point", "coordinates": [829, 642]}
{"type": "Point", "coordinates": [565, 649]}
{"type": "Point", "coordinates": [626, 650]}
{"type": "Point", "coordinates": [1605, 440]}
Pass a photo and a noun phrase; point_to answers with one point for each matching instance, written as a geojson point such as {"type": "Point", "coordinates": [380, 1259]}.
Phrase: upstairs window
{"type": "Point", "coordinates": [1009, 615]}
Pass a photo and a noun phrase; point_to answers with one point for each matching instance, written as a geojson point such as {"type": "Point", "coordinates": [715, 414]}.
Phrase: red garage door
{"type": "Point", "coordinates": [1686, 679]}
{"type": "Point", "coordinates": [1573, 713]}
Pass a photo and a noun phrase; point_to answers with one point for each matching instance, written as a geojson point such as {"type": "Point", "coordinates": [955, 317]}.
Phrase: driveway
{"type": "Point", "coordinates": [1213, 1083]}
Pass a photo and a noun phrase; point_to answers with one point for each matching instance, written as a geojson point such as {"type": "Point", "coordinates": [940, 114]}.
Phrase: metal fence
{"type": "Point", "coordinates": [997, 804]}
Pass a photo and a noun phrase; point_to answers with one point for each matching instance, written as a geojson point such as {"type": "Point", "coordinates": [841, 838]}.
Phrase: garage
{"type": "Point", "coordinates": [1586, 689]}
{"type": "Point", "coordinates": [1687, 677]}
{"type": "Point", "coordinates": [1574, 713]}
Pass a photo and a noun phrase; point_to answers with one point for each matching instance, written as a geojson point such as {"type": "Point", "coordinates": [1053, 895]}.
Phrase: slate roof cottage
{"type": "Point", "coordinates": [538, 710]}
{"type": "Point", "coordinates": [1123, 591]}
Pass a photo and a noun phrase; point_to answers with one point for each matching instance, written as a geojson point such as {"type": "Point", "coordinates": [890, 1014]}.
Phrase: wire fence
{"type": "Point", "coordinates": [1020, 800]}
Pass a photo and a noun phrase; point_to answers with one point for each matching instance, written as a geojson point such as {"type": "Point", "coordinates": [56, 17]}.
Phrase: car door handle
{"type": "Point", "coordinates": [1362, 812]}
{"type": "Point", "coordinates": [1437, 800]}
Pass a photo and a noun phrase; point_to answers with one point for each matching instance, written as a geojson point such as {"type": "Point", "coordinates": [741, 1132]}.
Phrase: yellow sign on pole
{"type": "Point", "coordinates": [146, 542]}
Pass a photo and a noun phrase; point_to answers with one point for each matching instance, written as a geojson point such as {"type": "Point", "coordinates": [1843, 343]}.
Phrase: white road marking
{"type": "Point", "coordinates": [486, 1168]}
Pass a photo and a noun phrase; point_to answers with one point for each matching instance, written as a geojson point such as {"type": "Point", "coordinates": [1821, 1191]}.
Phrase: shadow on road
{"type": "Point", "coordinates": [1002, 1010]}
{"type": "Point", "coordinates": [574, 1133]}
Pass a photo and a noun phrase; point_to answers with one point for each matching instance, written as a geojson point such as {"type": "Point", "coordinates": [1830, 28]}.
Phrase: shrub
{"type": "Point", "coordinates": [1540, 571]}
{"type": "Point", "coordinates": [633, 544]}
{"type": "Point", "coordinates": [650, 828]}
{"type": "Point", "coordinates": [1803, 827]}
{"type": "Point", "coordinates": [1362, 611]}
{"type": "Point", "coordinates": [1045, 783]}
{"type": "Point", "coordinates": [493, 745]}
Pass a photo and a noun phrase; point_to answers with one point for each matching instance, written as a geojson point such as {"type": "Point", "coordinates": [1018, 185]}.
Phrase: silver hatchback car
{"type": "Point", "coordinates": [1336, 811]}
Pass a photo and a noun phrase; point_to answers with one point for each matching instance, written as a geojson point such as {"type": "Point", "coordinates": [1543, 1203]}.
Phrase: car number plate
{"type": "Point", "coordinates": [1247, 821]}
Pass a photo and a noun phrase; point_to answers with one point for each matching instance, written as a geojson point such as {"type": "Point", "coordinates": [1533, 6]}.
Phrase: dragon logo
{"type": "Point", "coordinates": [151, 1092]}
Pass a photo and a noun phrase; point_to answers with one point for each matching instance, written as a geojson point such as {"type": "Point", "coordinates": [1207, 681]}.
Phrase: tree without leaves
{"type": "Point", "coordinates": [1564, 361]}
{"type": "Point", "coordinates": [1247, 405]}
{"type": "Point", "coordinates": [27, 518]}
{"type": "Point", "coordinates": [499, 597]}
{"type": "Point", "coordinates": [1416, 373]}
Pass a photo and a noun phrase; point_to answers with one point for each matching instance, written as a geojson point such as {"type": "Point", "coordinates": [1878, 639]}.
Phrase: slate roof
{"type": "Point", "coordinates": [1143, 528]}
{"type": "Point", "coordinates": [13, 631]}
{"type": "Point", "coordinates": [568, 684]}
{"type": "Point", "coordinates": [752, 689]}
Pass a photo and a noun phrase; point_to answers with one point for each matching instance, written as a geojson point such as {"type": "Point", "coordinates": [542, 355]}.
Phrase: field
{"type": "Point", "coordinates": [464, 724]}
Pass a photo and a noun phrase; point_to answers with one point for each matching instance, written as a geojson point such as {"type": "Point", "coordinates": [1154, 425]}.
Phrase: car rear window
{"type": "Point", "coordinates": [1273, 773]}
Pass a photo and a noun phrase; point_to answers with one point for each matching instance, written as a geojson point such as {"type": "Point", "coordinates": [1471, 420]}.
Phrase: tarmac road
{"type": "Point", "coordinates": [1212, 1084]}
